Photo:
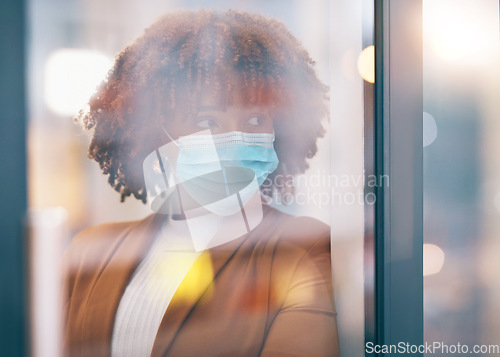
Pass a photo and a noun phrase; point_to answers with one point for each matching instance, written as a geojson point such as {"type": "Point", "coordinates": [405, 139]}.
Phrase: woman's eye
{"type": "Point", "coordinates": [206, 123]}
{"type": "Point", "coordinates": [254, 121]}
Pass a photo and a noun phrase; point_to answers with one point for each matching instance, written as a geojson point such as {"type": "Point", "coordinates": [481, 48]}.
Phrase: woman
{"type": "Point", "coordinates": [200, 115]}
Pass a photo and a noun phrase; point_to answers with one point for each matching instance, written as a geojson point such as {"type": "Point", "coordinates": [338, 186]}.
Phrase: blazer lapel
{"type": "Point", "coordinates": [103, 301]}
{"type": "Point", "coordinates": [184, 300]}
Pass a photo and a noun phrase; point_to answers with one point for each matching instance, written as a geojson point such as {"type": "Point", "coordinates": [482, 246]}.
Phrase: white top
{"type": "Point", "coordinates": [151, 289]}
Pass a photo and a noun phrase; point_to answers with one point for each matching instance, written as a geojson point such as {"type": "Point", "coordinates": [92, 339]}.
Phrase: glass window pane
{"type": "Point", "coordinates": [225, 172]}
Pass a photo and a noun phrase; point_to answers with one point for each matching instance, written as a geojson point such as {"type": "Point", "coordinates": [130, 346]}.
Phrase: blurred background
{"type": "Point", "coordinates": [461, 124]}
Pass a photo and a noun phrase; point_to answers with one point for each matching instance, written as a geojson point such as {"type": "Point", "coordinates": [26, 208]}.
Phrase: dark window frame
{"type": "Point", "coordinates": [397, 229]}
{"type": "Point", "coordinates": [13, 195]}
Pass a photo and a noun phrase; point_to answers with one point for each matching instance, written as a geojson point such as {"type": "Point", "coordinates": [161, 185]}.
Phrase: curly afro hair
{"type": "Point", "coordinates": [185, 54]}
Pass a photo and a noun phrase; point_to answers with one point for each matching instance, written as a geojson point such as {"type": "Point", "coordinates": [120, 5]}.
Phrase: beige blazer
{"type": "Point", "coordinates": [270, 292]}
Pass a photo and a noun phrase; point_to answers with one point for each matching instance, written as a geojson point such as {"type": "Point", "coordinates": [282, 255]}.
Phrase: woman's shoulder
{"type": "Point", "coordinates": [102, 234]}
{"type": "Point", "coordinates": [100, 240]}
{"type": "Point", "coordinates": [102, 230]}
{"type": "Point", "coordinates": [301, 231]}
{"type": "Point", "coordinates": [301, 261]}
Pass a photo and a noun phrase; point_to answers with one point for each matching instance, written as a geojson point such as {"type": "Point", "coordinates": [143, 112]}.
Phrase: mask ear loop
{"type": "Point", "coordinates": [171, 138]}
{"type": "Point", "coordinates": [165, 174]}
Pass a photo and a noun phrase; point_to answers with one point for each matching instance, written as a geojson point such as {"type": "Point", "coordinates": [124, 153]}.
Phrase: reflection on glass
{"type": "Point", "coordinates": [201, 115]}
{"type": "Point", "coordinates": [280, 106]}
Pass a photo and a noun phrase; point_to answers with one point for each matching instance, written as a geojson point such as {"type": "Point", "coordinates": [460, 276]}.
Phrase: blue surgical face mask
{"type": "Point", "coordinates": [213, 181]}
{"type": "Point", "coordinates": [253, 151]}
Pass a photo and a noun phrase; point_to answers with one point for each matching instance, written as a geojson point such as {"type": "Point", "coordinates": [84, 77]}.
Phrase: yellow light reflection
{"type": "Point", "coordinates": [199, 277]}
{"type": "Point", "coordinates": [433, 259]}
{"type": "Point", "coordinates": [366, 64]}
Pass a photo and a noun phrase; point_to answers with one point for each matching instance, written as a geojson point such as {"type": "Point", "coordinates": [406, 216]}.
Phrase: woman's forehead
{"type": "Point", "coordinates": [239, 97]}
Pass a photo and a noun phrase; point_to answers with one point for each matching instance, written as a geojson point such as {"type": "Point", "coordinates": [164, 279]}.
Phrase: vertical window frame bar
{"type": "Point", "coordinates": [398, 108]}
{"type": "Point", "coordinates": [13, 195]}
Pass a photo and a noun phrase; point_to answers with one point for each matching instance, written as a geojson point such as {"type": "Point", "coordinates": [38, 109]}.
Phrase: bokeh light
{"type": "Point", "coordinates": [71, 76]}
{"type": "Point", "coordinates": [458, 32]}
{"type": "Point", "coordinates": [430, 129]}
{"type": "Point", "coordinates": [433, 259]}
{"type": "Point", "coordinates": [366, 64]}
